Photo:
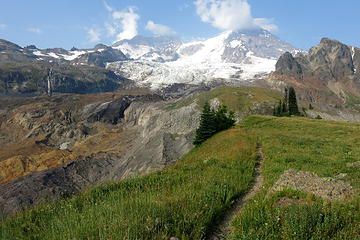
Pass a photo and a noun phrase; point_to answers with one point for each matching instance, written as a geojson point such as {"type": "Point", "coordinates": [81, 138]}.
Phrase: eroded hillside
{"type": "Point", "coordinates": [55, 147]}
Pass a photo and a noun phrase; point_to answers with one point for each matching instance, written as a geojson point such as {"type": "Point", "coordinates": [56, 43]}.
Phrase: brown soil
{"type": "Point", "coordinates": [20, 154]}
{"type": "Point", "coordinates": [327, 188]}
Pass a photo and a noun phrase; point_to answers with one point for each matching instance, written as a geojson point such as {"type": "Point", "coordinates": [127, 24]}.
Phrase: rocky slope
{"type": "Point", "coordinates": [31, 71]}
{"type": "Point", "coordinates": [328, 73]}
{"type": "Point", "coordinates": [36, 78]}
{"type": "Point", "coordinates": [64, 144]}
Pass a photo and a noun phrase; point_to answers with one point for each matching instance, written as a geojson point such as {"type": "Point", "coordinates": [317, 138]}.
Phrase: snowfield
{"type": "Point", "coordinates": [157, 61]}
{"type": "Point", "coordinates": [198, 62]}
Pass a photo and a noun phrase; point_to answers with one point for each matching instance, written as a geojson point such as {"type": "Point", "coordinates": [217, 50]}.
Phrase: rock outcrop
{"type": "Point", "coordinates": [327, 76]}
{"type": "Point", "coordinates": [32, 79]}
{"type": "Point", "coordinates": [327, 188]}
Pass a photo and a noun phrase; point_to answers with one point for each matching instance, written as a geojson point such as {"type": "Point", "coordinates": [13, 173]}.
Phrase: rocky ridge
{"type": "Point", "coordinates": [328, 73]}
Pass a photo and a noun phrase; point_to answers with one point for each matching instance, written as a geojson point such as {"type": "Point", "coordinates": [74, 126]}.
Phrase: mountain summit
{"type": "Point", "coordinates": [232, 55]}
{"type": "Point", "coordinates": [329, 72]}
{"type": "Point", "coordinates": [157, 62]}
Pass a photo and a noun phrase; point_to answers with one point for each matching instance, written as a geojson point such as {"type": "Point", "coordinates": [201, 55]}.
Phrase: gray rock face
{"type": "Point", "coordinates": [101, 57]}
{"type": "Point", "coordinates": [287, 65]}
{"type": "Point", "coordinates": [10, 52]}
{"type": "Point", "coordinates": [25, 70]}
{"type": "Point", "coordinates": [112, 112]}
{"type": "Point", "coordinates": [331, 60]}
{"type": "Point", "coordinates": [55, 183]}
{"type": "Point", "coordinates": [31, 78]}
{"type": "Point", "coordinates": [156, 138]}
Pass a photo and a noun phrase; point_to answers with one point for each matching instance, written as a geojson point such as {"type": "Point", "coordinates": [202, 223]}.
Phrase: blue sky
{"type": "Point", "coordinates": [83, 23]}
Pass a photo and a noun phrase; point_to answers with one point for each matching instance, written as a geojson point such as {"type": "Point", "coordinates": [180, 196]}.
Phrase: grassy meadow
{"type": "Point", "coordinates": [322, 147]}
{"type": "Point", "coordinates": [188, 199]}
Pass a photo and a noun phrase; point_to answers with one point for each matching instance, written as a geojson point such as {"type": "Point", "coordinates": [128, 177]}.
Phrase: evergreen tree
{"type": "Point", "coordinates": [207, 126]}
{"type": "Point", "coordinates": [285, 107]}
{"type": "Point", "coordinates": [279, 109]}
{"type": "Point", "coordinates": [224, 118]}
{"type": "Point", "coordinates": [292, 103]}
{"type": "Point", "coordinates": [275, 111]}
{"type": "Point", "coordinates": [212, 122]}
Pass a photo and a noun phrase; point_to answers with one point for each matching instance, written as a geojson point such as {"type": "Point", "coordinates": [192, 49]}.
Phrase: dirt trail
{"type": "Point", "coordinates": [223, 230]}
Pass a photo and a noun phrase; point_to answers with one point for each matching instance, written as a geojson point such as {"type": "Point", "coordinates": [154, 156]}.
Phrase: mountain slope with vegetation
{"type": "Point", "coordinates": [313, 155]}
{"type": "Point", "coordinates": [184, 200]}
{"type": "Point", "coordinates": [188, 199]}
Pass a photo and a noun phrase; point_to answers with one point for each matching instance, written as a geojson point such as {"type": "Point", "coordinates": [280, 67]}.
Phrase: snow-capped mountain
{"type": "Point", "coordinates": [233, 56]}
{"type": "Point", "coordinates": [157, 62]}
{"type": "Point", "coordinates": [156, 49]}
{"type": "Point", "coordinates": [98, 56]}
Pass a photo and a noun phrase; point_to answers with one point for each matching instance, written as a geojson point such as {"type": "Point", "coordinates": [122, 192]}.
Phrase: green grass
{"type": "Point", "coordinates": [188, 198]}
{"type": "Point", "coordinates": [237, 99]}
{"type": "Point", "coordinates": [185, 200]}
{"type": "Point", "coordinates": [323, 147]}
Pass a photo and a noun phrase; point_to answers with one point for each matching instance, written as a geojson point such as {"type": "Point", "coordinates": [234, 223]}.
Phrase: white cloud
{"type": "Point", "coordinates": [128, 23]}
{"type": "Point", "coordinates": [94, 35]}
{"type": "Point", "coordinates": [35, 30]}
{"type": "Point", "coordinates": [159, 29]}
{"type": "Point", "coordinates": [267, 24]}
{"type": "Point", "coordinates": [124, 23]}
{"type": "Point", "coordinates": [3, 26]}
{"type": "Point", "coordinates": [231, 15]}
{"type": "Point", "coordinates": [110, 29]}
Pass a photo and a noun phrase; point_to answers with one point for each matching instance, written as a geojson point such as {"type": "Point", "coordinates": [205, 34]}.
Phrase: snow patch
{"type": "Point", "coordinates": [134, 52]}
{"type": "Point", "coordinates": [236, 43]}
{"type": "Point", "coordinates": [38, 53]}
{"type": "Point", "coordinates": [53, 55]}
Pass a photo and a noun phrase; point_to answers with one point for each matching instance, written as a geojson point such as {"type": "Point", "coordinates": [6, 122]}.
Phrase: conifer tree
{"type": "Point", "coordinates": [224, 118]}
{"type": "Point", "coordinates": [212, 122]}
{"type": "Point", "coordinates": [275, 111]}
{"type": "Point", "coordinates": [292, 103]}
{"type": "Point", "coordinates": [279, 109]}
{"type": "Point", "coordinates": [207, 126]}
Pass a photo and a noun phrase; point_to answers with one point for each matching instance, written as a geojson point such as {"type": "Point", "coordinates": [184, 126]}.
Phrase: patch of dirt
{"type": "Point", "coordinates": [19, 166]}
{"type": "Point", "coordinates": [288, 201]}
{"type": "Point", "coordinates": [327, 188]}
{"type": "Point", "coordinates": [223, 230]}
{"type": "Point", "coordinates": [353, 165]}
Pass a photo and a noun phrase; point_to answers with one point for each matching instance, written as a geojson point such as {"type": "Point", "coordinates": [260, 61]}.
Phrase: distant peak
{"type": "Point", "coordinates": [100, 46]}
{"type": "Point", "coordinates": [327, 41]}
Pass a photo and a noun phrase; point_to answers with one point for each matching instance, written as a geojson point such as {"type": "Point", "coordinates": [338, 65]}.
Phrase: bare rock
{"type": "Point", "coordinates": [353, 165]}
{"type": "Point", "coordinates": [328, 188]}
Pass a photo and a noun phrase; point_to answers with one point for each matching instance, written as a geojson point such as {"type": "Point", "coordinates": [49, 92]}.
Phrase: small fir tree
{"type": "Point", "coordinates": [212, 122]}
{"type": "Point", "coordinates": [224, 119]}
{"type": "Point", "coordinates": [292, 103]}
{"type": "Point", "coordinates": [288, 106]}
{"type": "Point", "coordinates": [207, 125]}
